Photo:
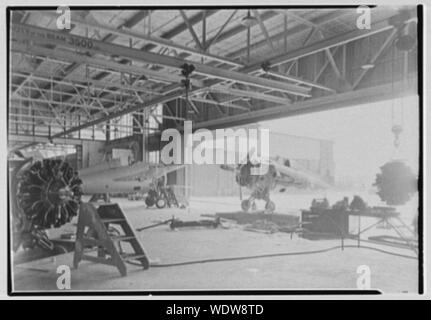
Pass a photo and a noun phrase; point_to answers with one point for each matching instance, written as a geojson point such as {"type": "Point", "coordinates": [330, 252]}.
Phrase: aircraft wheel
{"type": "Point", "coordinates": [149, 201]}
{"type": "Point", "coordinates": [245, 205]}
{"type": "Point", "coordinates": [161, 203]}
{"type": "Point", "coordinates": [270, 206]}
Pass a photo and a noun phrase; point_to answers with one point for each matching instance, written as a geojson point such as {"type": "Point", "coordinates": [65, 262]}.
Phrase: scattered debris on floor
{"type": "Point", "coordinates": [175, 223]}
{"type": "Point", "coordinates": [261, 222]}
{"type": "Point", "coordinates": [276, 218]}
{"type": "Point", "coordinates": [264, 226]}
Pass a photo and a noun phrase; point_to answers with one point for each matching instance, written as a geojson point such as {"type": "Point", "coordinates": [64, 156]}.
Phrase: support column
{"type": "Point", "coordinates": [139, 156]}
{"type": "Point", "coordinates": [108, 130]}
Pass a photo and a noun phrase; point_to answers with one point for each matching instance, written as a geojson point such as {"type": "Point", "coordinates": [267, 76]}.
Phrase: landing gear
{"type": "Point", "coordinates": [151, 198]}
{"type": "Point", "coordinates": [161, 203]}
{"type": "Point", "coordinates": [245, 205]}
{"type": "Point", "coordinates": [248, 203]}
{"type": "Point", "coordinates": [258, 194]}
{"type": "Point", "coordinates": [149, 201]}
{"type": "Point", "coordinates": [270, 206]}
{"type": "Point", "coordinates": [161, 197]}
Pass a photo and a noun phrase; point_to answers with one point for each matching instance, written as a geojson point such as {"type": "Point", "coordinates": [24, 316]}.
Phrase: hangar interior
{"type": "Point", "coordinates": [97, 92]}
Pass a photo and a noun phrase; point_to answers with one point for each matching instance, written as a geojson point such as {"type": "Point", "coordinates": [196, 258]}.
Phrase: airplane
{"type": "Point", "coordinates": [112, 177]}
{"type": "Point", "coordinates": [279, 173]}
{"type": "Point", "coordinates": [46, 193]}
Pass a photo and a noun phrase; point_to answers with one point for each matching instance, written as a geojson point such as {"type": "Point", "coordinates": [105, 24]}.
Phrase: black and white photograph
{"type": "Point", "coordinates": [259, 149]}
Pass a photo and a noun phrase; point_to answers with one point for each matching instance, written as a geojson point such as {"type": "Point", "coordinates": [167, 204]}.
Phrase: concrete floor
{"type": "Point", "coordinates": [334, 269]}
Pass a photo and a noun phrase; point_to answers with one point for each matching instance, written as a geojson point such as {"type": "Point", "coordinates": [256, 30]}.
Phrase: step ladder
{"type": "Point", "coordinates": [93, 235]}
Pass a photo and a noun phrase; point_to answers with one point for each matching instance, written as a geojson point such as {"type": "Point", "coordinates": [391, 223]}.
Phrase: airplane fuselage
{"type": "Point", "coordinates": [108, 178]}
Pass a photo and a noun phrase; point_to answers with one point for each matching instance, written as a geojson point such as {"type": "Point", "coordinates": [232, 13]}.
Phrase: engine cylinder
{"type": "Point", "coordinates": [48, 193]}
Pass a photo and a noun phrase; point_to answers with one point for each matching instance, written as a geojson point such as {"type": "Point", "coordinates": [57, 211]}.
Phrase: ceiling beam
{"type": "Point", "coordinates": [332, 62]}
{"type": "Point", "coordinates": [204, 30]}
{"type": "Point", "coordinates": [326, 63]}
{"type": "Point", "coordinates": [375, 56]}
{"type": "Point", "coordinates": [309, 36]}
{"type": "Point", "coordinates": [66, 31]}
{"type": "Point", "coordinates": [314, 48]}
{"type": "Point", "coordinates": [314, 26]}
{"type": "Point", "coordinates": [62, 94]}
{"type": "Point", "coordinates": [263, 29]}
{"type": "Point", "coordinates": [51, 102]}
{"type": "Point", "coordinates": [47, 36]}
{"type": "Point", "coordinates": [131, 34]}
{"type": "Point", "coordinates": [239, 28]}
{"type": "Point", "coordinates": [318, 47]}
{"type": "Point", "coordinates": [219, 32]}
{"type": "Point", "coordinates": [138, 17]}
{"type": "Point", "coordinates": [118, 114]}
{"type": "Point", "coordinates": [162, 76]}
{"type": "Point", "coordinates": [271, 113]}
{"type": "Point", "coordinates": [21, 138]}
{"type": "Point", "coordinates": [78, 81]}
{"type": "Point", "coordinates": [219, 103]}
{"type": "Point", "coordinates": [250, 94]}
{"type": "Point", "coordinates": [287, 76]}
{"type": "Point", "coordinates": [327, 44]}
{"type": "Point", "coordinates": [293, 31]}
{"type": "Point", "coordinates": [336, 101]}
{"type": "Point", "coordinates": [191, 30]}
{"type": "Point", "coordinates": [183, 27]}
{"type": "Point", "coordinates": [134, 20]}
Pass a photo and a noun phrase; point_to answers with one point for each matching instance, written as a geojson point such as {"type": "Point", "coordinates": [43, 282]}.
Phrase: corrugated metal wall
{"type": "Point", "coordinates": [311, 154]}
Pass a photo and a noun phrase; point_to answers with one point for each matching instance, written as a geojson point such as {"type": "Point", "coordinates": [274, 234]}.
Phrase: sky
{"type": "Point", "coordinates": [362, 136]}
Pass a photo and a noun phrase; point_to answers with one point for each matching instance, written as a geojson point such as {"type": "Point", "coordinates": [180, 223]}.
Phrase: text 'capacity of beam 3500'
{"type": "Point", "coordinates": [78, 42]}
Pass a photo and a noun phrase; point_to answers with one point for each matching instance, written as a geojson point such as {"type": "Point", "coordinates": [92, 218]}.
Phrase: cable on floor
{"type": "Point", "coordinates": [271, 255]}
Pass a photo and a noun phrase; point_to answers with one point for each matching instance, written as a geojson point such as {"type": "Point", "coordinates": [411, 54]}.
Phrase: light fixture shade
{"type": "Point", "coordinates": [248, 20]}
{"type": "Point", "coordinates": [367, 66]}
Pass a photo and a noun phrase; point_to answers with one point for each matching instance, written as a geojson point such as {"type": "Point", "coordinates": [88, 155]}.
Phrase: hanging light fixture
{"type": "Point", "coordinates": [405, 40]}
{"type": "Point", "coordinates": [249, 20]}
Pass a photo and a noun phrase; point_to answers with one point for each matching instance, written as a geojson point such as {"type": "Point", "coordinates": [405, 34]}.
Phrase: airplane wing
{"type": "Point", "coordinates": [145, 172]}
{"type": "Point", "coordinates": [102, 166]}
{"type": "Point", "coordinates": [292, 176]}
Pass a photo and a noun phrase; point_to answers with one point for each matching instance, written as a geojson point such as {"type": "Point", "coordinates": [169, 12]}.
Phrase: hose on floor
{"type": "Point", "coordinates": [271, 255]}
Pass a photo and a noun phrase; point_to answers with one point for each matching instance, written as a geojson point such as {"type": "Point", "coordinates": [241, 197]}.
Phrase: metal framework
{"type": "Point", "coordinates": [93, 75]}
